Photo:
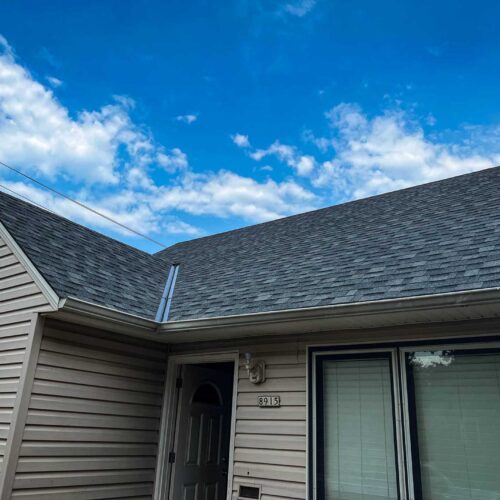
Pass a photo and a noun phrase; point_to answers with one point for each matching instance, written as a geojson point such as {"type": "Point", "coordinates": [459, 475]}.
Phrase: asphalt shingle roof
{"type": "Point", "coordinates": [435, 238]}
{"type": "Point", "coordinates": [81, 263]}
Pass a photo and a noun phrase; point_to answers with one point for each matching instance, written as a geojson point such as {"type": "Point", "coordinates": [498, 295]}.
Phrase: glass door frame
{"type": "Point", "coordinates": [314, 450]}
{"type": "Point", "coordinates": [411, 444]}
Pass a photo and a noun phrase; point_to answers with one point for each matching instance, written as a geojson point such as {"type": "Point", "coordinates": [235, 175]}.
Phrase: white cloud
{"type": "Point", "coordinates": [187, 118]}
{"type": "Point", "coordinates": [391, 151]}
{"type": "Point", "coordinates": [38, 133]}
{"type": "Point", "coordinates": [225, 194]}
{"type": "Point", "coordinates": [241, 140]}
{"type": "Point", "coordinates": [54, 82]}
{"type": "Point", "coordinates": [302, 164]}
{"type": "Point", "coordinates": [299, 8]}
{"type": "Point", "coordinates": [174, 161]}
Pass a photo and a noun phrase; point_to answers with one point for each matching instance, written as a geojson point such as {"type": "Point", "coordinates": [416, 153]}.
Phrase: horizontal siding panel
{"type": "Point", "coordinates": [103, 343]}
{"type": "Point", "coordinates": [53, 433]}
{"type": "Point", "coordinates": [274, 442]}
{"type": "Point", "coordinates": [87, 493]}
{"type": "Point", "coordinates": [267, 471]}
{"type": "Point", "coordinates": [84, 464]}
{"type": "Point", "coordinates": [12, 270]}
{"type": "Point", "coordinates": [96, 354]}
{"type": "Point", "coordinates": [277, 384]}
{"type": "Point", "coordinates": [66, 361]}
{"type": "Point", "coordinates": [91, 421]}
{"type": "Point", "coordinates": [44, 449]}
{"type": "Point", "coordinates": [31, 302]}
{"type": "Point", "coordinates": [13, 343]}
{"type": "Point", "coordinates": [84, 478]}
{"type": "Point", "coordinates": [293, 428]}
{"type": "Point", "coordinates": [284, 413]}
{"type": "Point", "coordinates": [15, 281]}
{"type": "Point", "coordinates": [274, 457]}
{"type": "Point", "coordinates": [97, 380]}
{"type": "Point", "coordinates": [99, 393]}
{"type": "Point", "coordinates": [7, 400]}
{"type": "Point", "coordinates": [41, 402]}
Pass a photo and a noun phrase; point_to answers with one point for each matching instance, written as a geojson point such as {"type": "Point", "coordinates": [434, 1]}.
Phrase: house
{"type": "Point", "coordinates": [347, 353]}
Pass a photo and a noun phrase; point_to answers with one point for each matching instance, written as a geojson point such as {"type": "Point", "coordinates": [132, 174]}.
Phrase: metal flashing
{"type": "Point", "coordinates": [168, 293]}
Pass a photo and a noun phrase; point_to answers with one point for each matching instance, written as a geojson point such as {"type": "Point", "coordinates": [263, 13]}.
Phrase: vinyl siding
{"type": "Point", "coordinates": [270, 443]}
{"type": "Point", "coordinates": [20, 297]}
{"type": "Point", "coordinates": [93, 417]}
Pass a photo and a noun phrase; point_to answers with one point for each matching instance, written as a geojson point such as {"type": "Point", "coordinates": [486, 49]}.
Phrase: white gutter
{"type": "Point", "coordinates": [72, 310]}
{"type": "Point", "coordinates": [455, 306]}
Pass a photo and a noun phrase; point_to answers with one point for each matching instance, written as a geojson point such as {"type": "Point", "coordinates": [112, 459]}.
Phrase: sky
{"type": "Point", "coordinates": [184, 118]}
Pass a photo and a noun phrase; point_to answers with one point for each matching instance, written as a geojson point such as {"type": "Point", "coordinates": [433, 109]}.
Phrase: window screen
{"type": "Point", "coordinates": [356, 430]}
{"type": "Point", "coordinates": [455, 409]}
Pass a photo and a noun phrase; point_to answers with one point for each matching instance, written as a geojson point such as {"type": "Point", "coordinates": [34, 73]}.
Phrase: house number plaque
{"type": "Point", "coordinates": [269, 401]}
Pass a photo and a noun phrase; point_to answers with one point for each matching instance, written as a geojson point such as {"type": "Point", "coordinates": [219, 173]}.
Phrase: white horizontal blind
{"type": "Point", "coordinates": [457, 401]}
{"type": "Point", "coordinates": [359, 455]}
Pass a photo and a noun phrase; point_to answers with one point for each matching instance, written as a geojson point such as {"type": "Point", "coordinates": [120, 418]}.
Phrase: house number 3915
{"type": "Point", "coordinates": [269, 401]}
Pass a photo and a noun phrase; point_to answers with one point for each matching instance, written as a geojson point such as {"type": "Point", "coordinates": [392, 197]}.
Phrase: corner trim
{"type": "Point", "coordinates": [47, 290]}
{"type": "Point", "coordinates": [20, 411]}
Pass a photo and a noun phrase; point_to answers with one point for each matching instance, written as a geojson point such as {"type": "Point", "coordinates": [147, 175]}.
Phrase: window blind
{"type": "Point", "coordinates": [359, 454]}
{"type": "Point", "coordinates": [457, 414]}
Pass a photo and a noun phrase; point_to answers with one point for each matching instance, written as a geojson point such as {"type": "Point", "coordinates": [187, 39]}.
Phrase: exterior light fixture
{"type": "Point", "coordinates": [256, 369]}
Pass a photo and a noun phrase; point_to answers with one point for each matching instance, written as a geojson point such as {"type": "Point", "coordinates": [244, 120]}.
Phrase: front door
{"type": "Point", "coordinates": [203, 432]}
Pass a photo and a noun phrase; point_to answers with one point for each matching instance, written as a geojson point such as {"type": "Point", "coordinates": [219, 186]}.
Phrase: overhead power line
{"type": "Point", "coordinates": [76, 202]}
{"type": "Point", "coordinates": [15, 193]}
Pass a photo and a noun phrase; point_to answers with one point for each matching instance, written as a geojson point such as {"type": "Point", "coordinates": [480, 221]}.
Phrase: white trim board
{"type": "Point", "coordinates": [169, 414]}
{"type": "Point", "coordinates": [37, 277]}
{"type": "Point", "coordinates": [20, 411]}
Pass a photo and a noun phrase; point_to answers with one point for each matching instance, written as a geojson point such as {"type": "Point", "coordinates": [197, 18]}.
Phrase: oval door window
{"type": "Point", "coordinates": [207, 394]}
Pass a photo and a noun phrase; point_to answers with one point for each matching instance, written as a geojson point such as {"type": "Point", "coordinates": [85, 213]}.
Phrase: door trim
{"type": "Point", "coordinates": [169, 413]}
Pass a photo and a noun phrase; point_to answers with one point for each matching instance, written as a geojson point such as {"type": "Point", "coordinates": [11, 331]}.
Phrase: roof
{"type": "Point", "coordinates": [434, 238]}
{"type": "Point", "coordinates": [431, 239]}
{"type": "Point", "coordinates": [81, 263]}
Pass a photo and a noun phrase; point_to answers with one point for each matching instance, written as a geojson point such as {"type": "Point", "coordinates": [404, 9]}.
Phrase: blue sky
{"type": "Point", "coordinates": [185, 118]}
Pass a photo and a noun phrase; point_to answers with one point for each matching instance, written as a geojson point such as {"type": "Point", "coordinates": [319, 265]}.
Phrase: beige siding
{"type": "Point", "coordinates": [19, 298]}
{"type": "Point", "coordinates": [270, 444]}
{"type": "Point", "coordinates": [93, 418]}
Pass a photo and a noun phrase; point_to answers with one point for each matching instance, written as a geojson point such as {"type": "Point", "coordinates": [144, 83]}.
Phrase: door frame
{"type": "Point", "coordinates": [168, 425]}
{"type": "Point", "coordinates": [315, 352]}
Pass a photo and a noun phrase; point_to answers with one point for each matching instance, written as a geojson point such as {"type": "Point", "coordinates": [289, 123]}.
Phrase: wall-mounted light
{"type": "Point", "coordinates": [256, 369]}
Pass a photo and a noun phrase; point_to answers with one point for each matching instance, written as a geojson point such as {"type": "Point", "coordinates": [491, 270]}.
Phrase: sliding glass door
{"type": "Point", "coordinates": [448, 445]}
{"type": "Point", "coordinates": [454, 417]}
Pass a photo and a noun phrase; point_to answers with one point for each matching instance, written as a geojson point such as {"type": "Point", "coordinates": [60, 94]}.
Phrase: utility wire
{"type": "Point", "coordinates": [15, 193]}
{"type": "Point", "coordinates": [80, 204]}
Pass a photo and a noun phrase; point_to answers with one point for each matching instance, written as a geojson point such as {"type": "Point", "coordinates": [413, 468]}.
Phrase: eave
{"type": "Point", "coordinates": [449, 307]}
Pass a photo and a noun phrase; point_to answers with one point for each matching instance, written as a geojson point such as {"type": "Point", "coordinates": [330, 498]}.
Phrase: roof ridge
{"type": "Point", "coordinates": [350, 202]}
